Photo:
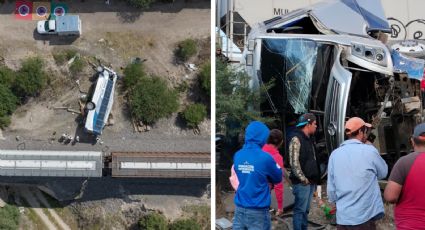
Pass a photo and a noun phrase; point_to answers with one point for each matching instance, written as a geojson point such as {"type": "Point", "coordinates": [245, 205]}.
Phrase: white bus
{"type": "Point", "coordinates": [100, 105]}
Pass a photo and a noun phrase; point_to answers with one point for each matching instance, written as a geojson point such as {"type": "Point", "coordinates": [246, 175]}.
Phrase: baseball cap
{"type": "Point", "coordinates": [419, 130]}
{"type": "Point", "coordinates": [355, 123]}
{"type": "Point", "coordinates": [305, 119]}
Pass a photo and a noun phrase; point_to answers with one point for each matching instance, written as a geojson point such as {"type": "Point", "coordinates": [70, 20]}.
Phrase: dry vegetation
{"type": "Point", "coordinates": [128, 44]}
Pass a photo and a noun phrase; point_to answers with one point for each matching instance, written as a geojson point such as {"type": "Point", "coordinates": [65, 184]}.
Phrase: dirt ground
{"type": "Point", "coordinates": [225, 208]}
{"type": "Point", "coordinates": [114, 34]}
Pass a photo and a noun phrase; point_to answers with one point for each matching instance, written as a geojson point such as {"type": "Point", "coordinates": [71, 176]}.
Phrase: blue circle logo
{"type": "Point", "coordinates": [41, 11]}
{"type": "Point", "coordinates": [24, 10]}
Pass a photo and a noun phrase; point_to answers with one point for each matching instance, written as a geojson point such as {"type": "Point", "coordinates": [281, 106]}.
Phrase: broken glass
{"type": "Point", "coordinates": [295, 68]}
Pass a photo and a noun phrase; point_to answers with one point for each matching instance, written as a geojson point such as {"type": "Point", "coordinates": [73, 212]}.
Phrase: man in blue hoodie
{"type": "Point", "coordinates": [255, 170]}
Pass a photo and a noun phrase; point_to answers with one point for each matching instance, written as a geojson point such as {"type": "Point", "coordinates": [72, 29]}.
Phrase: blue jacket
{"type": "Point", "coordinates": [255, 169]}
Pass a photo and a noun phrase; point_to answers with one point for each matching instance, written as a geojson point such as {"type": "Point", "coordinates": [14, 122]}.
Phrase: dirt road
{"type": "Point", "coordinates": [33, 198]}
{"type": "Point", "coordinates": [52, 212]}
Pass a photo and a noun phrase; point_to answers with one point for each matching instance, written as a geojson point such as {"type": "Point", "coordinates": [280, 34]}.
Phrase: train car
{"type": "Point", "coordinates": [161, 164]}
{"type": "Point", "coordinates": [50, 163]}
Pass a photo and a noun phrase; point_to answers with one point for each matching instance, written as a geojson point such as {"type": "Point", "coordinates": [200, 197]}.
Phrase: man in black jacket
{"type": "Point", "coordinates": [305, 173]}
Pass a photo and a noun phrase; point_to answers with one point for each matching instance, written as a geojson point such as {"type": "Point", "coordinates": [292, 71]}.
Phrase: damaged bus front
{"type": "Point", "coordinates": [336, 75]}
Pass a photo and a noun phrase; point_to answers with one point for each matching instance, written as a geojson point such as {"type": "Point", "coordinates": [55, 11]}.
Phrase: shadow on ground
{"type": "Point", "coordinates": [69, 190]}
{"type": "Point", "coordinates": [54, 39]}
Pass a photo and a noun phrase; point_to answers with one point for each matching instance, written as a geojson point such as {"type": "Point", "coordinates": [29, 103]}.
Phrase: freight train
{"type": "Point", "coordinates": [31, 163]}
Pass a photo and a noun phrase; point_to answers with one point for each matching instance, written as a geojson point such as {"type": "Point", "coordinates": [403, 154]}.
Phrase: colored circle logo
{"type": "Point", "coordinates": [41, 11]}
{"type": "Point", "coordinates": [23, 10]}
{"type": "Point", "coordinates": [59, 11]}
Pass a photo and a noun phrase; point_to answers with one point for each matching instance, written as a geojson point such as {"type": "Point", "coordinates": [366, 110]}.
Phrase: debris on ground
{"type": "Point", "coordinates": [72, 60]}
{"type": "Point", "coordinates": [140, 127]}
{"type": "Point", "coordinates": [192, 67]}
{"type": "Point", "coordinates": [68, 109]}
{"type": "Point", "coordinates": [3, 197]}
{"type": "Point", "coordinates": [223, 224]}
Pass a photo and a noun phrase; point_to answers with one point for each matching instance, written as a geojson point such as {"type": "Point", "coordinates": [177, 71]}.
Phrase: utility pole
{"type": "Point", "coordinates": [231, 10]}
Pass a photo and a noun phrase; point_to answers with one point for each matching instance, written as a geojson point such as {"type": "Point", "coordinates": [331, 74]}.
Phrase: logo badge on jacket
{"type": "Point", "coordinates": [246, 167]}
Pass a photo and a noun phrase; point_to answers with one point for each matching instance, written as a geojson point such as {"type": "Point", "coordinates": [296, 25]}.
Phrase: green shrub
{"type": "Point", "coordinates": [133, 73]}
{"type": "Point", "coordinates": [199, 213]}
{"type": "Point", "coordinates": [4, 122]}
{"type": "Point", "coordinates": [140, 3]}
{"type": "Point", "coordinates": [63, 56]}
{"type": "Point", "coordinates": [8, 101]}
{"type": "Point", "coordinates": [7, 76]}
{"type": "Point", "coordinates": [70, 54]}
{"type": "Point", "coordinates": [182, 87]}
{"type": "Point", "coordinates": [30, 79]}
{"type": "Point", "coordinates": [186, 49]}
{"type": "Point", "coordinates": [236, 103]}
{"type": "Point", "coordinates": [185, 224]}
{"type": "Point", "coordinates": [59, 58]}
{"type": "Point", "coordinates": [77, 66]}
{"type": "Point", "coordinates": [153, 221]}
{"type": "Point", "coordinates": [205, 78]}
{"type": "Point", "coordinates": [151, 100]}
{"type": "Point", "coordinates": [9, 217]}
{"type": "Point", "coordinates": [194, 114]}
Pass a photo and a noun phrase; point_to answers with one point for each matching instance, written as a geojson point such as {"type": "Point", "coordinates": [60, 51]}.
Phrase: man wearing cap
{"type": "Point", "coordinates": [353, 172]}
{"type": "Point", "coordinates": [406, 185]}
{"type": "Point", "coordinates": [254, 169]}
{"type": "Point", "coordinates": [305, 173]}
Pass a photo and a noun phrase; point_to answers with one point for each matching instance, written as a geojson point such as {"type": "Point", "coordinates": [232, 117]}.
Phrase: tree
{"type": "Point", "coordinates": [7, 76]}
{"type": "Point", "coordinates": [205, 78]}
{"type": "Point", "coordinates": [236, 103]}
{"type": "Point", "coordinates": [151, 100]}
{"type": "Point", "coordinates": [140, 3]}
{"type": "Point", "coordinates": [194, 114]}
{"type": "Point", "coordinates": [133, 74]}
{"type": "Point", "coordinates": [185, 224]}
{"type": "Point", "coordinates": [153, 221]}
{"type": "Point", "coordinates": [9, 217]}
{"type": "Point", "coordinates": [30, 79]}
{"type": "Point", "coordinates": [8, 103]}
{"type": "Point", "coordinates": [186, 49]}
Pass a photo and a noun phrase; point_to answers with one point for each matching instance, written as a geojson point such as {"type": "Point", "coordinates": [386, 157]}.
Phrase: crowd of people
{"type": "Point", "coordinates": [354, 169]}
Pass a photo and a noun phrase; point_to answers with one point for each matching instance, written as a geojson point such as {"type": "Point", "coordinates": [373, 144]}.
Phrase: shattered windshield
{"type": "Point", "coordinates": [292, 62]}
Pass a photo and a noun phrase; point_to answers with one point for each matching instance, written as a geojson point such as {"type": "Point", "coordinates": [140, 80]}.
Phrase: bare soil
{"type": "Point", "coordinates": [225, 208]}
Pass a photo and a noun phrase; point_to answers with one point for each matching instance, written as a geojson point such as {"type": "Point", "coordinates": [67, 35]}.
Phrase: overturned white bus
{"type": "Point", "coordinates": [100, 104]}
{"type": "Point", "coordinates": [328, 59]}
